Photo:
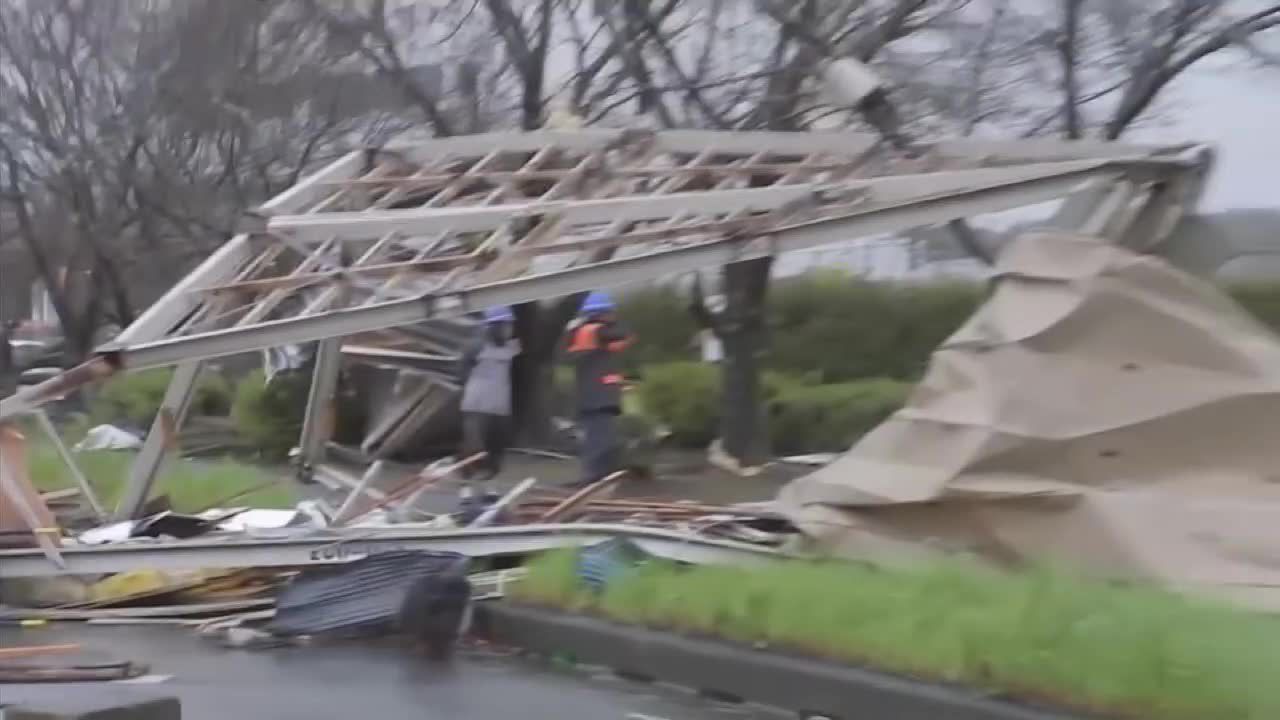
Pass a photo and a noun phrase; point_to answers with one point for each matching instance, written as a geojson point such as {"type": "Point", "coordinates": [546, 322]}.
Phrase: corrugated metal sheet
{"type": "Point", "coordinates": [365, 596]}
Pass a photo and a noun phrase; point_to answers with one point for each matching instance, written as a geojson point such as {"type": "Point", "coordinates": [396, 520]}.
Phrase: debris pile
{"type": "Point", "coordinates": [368, 564]}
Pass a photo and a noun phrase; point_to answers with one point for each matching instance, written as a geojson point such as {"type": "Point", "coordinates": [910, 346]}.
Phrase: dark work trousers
{"type": "Point", "coordinates": [599, 452]}
{"type": "Point", "coordinates": [484, 432]}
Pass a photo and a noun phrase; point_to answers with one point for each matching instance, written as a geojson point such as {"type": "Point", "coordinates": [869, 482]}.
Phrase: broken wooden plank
{"type": "Point", "coordinates": [572, 502]}
{"type": "Point", "coordinates": [37, 650]}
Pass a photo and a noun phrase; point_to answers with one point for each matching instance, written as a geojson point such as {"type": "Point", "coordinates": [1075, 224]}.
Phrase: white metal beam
{"type": "Point", "coordinates": [317, 424]}
{"type": "Point", "coordinates": [1040, 150]}
{"type": "Point", "coordinates": [337, 546]}
{"type": "Point", "coordinates": [180, 300]}
{"type": "Point", "coordinates": [219, 267]}
{"type": "Point", "coordinates": [777, 143]}
{"type": "Point", "coordinates": [86, 488]}
{"type": "Point", "coordinates": [751, 142]}
{"type": "Point", "coordinates": [164, 429]}
{"type": "Point", "coordinates": [484, 143]}
{"type": "Point", "coordinates": [418, 222]}
{"type": "Point", "coordinates": [314, 187]}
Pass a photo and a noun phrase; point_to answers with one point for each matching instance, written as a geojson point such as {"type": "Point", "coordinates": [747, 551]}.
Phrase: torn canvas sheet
{"type": "Point", "coordinates": [1102, 409]}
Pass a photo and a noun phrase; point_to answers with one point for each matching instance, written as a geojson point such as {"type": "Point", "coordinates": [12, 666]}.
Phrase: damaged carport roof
{"type": "Point", "coordinates": [388, 239]}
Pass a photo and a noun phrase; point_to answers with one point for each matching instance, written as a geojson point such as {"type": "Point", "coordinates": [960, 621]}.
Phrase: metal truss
{"type": "Point", "coordinates": [385, 249]}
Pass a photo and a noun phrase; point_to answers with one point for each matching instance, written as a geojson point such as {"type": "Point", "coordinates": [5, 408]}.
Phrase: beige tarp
{"type": "Point", "coordinates": [1101, 410]}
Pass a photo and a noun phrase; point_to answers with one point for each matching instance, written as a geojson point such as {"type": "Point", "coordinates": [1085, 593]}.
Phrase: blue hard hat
{"type": "Point", "coordinates": [499, 314]}
{"type": "Point", "coordinates": [597, 302]}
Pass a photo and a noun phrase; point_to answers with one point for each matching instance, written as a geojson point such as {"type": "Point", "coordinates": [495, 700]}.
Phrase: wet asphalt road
{"type": "Point", "coordinates": [361, 682]}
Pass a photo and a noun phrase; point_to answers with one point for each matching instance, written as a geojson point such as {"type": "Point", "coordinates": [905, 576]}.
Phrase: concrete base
{"type": "Point", "coordinates": [728, 671]}
{"type": "Point", "coordinates": [87, 703]}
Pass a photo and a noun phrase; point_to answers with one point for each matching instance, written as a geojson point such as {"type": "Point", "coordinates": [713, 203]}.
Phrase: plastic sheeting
{"type": "Point", "coordinates": [600, 563]}
{"type": "Point", "coordinates": [1102, 410]}
{"type": "Point", "coordinates": [108, 437]}
{"type": "Point", "coordinates": [375, 595]}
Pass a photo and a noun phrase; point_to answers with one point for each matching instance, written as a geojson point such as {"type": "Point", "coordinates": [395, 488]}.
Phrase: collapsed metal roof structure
{"type": "Point", "coordinates": [386, 251]}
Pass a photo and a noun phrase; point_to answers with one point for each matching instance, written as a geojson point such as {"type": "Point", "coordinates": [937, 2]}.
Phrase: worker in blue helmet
{"type": "Point", "coordinates": [486, 390]}
{"type": "Point", "coordinates": [595, 343]}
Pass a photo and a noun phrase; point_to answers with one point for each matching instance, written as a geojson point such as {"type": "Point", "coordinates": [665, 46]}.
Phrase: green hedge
{"type": "Point", "coordinates": [684, 397]}
{"type": "Point", "coordinates": [804, 416]}
{"type": "Point", "coordinates": [844, 328]}
{"type": "Point", "coordinates": [828, 418]}
{"type": "Point", "coordinates": [269, 415]}
{"type": "Point", "coordinates": [1261, 299]}
{"type": "Point", "coordinates": [134, 399]}
{"type": "Point", "coordinates": [825, 323]}
{"type": "Point", "coordinates": [659, 317]}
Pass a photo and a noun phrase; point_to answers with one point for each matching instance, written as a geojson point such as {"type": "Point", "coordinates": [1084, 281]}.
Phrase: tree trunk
{"type": "Point", "coordinates": [533, 380]}
{"type": "Point", "coordinates": [538, 327]}
{"type": "Point", "coordinates": [8, 369]}
{"type": "Point", "coordinates": [744, 429]}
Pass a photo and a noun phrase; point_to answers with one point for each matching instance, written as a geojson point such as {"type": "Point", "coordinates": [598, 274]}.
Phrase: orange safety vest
{"type": "Point", "coordinates": [598, 378]}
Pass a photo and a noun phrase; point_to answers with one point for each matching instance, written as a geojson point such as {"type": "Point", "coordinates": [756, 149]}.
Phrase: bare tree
{"type": "Point", "coordinates": [1083, 68]}
{"type": "Point", "coordinates": [757, 83]}
{"type": "Point", "coordinates": [136, 132]}
{"type": "Point", "coordinates": [60, 138]}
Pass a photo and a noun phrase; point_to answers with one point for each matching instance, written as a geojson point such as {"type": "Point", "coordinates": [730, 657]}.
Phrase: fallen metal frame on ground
{"type": "Point", "coordinates": [324, 547]}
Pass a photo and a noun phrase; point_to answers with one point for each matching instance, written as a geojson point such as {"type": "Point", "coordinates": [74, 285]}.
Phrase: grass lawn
{"type": "Point", "coordinates": [190, 485]}
{"type": "Point", "coordinates": [1131, 651]}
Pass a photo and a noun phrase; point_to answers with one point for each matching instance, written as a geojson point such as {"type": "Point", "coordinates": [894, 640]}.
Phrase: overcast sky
{"type": "Point", "coordinates": [1238, 110]}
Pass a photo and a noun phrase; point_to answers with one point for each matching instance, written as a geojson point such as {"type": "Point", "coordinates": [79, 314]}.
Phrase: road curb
{"type": "Point", "coordinates": [733, 672]}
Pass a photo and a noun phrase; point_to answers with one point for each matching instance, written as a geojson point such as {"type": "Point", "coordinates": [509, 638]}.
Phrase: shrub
{"type": "Point", "coordinates": [828, 418]}
{"type": "Point", "coordinates": [269, 415]}
{"type": "Point", "coordinates": [1261, 298]}
{"type": "Point", "coordinates": [684, 397]}
{"type": "Point", "coordinates": [835, 325]}
{"type": "Point", "coordinates": [929, 315]}
{"type": "Point", "coordinates": [845, 328]}
{"type": "Point", "coordinates": [134, 399]}
{"type": "Point", "coordinates": [664, 329]}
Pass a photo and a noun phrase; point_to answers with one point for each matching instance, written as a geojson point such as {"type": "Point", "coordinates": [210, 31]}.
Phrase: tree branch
{"type": "Point", "coordinates": [1152, 79]}
{"type": "Point", "coordinates": [886, 31]}
{"type": "Point", "coordinates": [388, 63]}
{"type": "Point", "coordinates": [1067, 46]}
{"type": "Point", "coordinates": [691, 91]}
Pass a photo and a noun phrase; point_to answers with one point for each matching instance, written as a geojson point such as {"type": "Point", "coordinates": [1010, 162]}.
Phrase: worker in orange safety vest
{"type": "Point", "coordinates": [595, 343]}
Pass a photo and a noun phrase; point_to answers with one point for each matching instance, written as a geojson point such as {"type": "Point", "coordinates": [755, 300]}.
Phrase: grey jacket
{"type": "Point", "coordinates": [486, 377]}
